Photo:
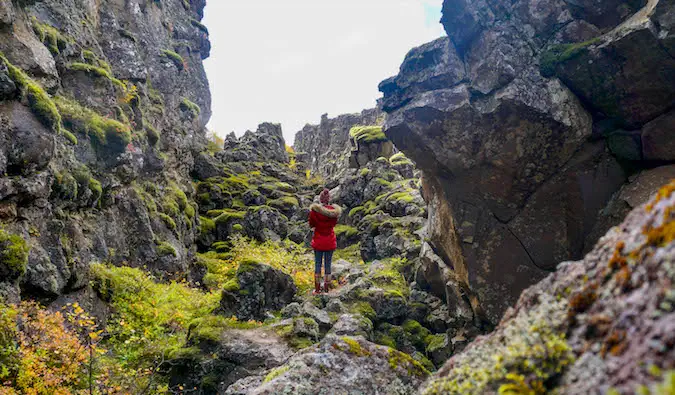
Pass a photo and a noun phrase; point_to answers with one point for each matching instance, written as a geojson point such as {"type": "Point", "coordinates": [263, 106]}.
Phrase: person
{"type": "Point", "coordinates": [323, 218]}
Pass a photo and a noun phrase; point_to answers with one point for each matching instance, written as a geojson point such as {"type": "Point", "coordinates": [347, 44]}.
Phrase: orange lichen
{"type": "Point", "coordinates": [582, 300]}
{"type": "Point", "coordinates": [623, 278]}
{"type": "Point", "coordinates": [663, 193]}
{"type": "Point", "coordinates": [615, 343]}
{"type": "Point", "coordinates": [618, 260]}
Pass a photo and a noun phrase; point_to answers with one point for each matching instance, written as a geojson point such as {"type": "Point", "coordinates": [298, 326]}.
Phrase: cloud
{"type": "Point", "coordinates": [291, 61]}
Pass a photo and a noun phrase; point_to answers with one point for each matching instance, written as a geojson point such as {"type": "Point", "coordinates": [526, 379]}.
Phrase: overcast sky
{"type": "Point", "coordinates": [291, 61]}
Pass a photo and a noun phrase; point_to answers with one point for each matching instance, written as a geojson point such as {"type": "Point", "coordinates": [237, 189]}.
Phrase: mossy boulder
{"type": "Point", "coordinates": [259, 289]}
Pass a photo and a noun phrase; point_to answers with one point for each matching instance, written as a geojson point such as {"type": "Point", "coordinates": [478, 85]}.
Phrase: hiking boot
{"type": "Point", "coordinates": [317, 284]}
{"type": "Point", "coordinates": [327, 283]}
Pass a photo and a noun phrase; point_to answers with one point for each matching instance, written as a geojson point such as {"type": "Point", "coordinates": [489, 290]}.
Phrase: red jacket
{"type": "Point", "coordinates": [323, 219]}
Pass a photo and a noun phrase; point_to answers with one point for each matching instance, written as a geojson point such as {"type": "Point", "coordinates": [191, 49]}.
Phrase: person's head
{"type": "Point", "coordinates": [324, 197]}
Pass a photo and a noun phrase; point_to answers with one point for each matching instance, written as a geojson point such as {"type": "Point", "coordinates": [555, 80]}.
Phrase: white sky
{"type": "Point", "coordinates": [291, 61]}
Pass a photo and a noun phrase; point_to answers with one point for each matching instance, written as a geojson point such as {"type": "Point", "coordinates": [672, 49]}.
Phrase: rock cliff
{"type": "Point", "coordinates": [102, 109]}
{"type": "Point", "coordinates": [529, 121]}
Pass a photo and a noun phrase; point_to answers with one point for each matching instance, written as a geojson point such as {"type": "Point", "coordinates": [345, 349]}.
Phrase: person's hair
{"type": "Point", "coordinates": [324, 197]}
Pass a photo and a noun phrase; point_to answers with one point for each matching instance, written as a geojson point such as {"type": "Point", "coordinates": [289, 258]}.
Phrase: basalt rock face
{"type": "Point", "coordinates": [526, 120]}
{"type": "Point", "coordinates": [102, 110]}
{"type": "Point", "coordinates": [600, 325]}
{"type": "Point", "coordinates": [327, 145]}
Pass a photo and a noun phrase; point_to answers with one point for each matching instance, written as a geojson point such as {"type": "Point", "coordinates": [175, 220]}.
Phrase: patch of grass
{"type": "Point", "coordinates": [288, 257]}
{"type": "Point", "coordinates": [105, 131]}
{"type": "Point", "coordinates": [175, 58]}
{"type": "Point", "coordinates": [150, 319]}
{"type": "Point", "coordinates": [367, 134]}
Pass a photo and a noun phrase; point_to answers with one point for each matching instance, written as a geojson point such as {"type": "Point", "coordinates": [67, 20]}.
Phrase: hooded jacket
{"type": "Point", "coordinates": [323, 219]}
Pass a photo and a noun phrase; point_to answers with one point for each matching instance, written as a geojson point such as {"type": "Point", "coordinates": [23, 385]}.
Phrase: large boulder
{"type": "Point", "coordinates": [627, 74]}
{"type": "Point", "coordinates": [257, 289]}
{"type": "Point", "coordinates": [340, 365]}
{"type": "Point", "coordinates": [601, 323]}
{"type": "Point", "coordinates": [513, 180]}
{"type": "Point", "coordinates": [233, 355]}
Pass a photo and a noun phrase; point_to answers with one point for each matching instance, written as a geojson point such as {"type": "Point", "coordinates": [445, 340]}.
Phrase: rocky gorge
{"type": "Point", "coordinates": [507, 220]}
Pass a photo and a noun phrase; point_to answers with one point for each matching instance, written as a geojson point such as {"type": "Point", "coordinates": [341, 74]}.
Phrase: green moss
{"type": "Point", "coordinates": [192, 108]}
{"type": "Point", "coordinates": [354, 347]}
{"type": "Point", "coordinates": [523, 365]}
{"type": "Point", "coordinates": [199, 26]}
{"type": "Point", "coordinates": [104, 131]}
{"type": "Point", "coordinates": [399, 360]}
{"type": "Point", "coordinates": [51, 37]}
{"type": "Point", "coordinates": [13, 254]}
{"type": "Point", "coordinates": [400, 196]}
{"type": "Point", "coordinates": [237, 228]}
{"type": "Point", "coordinates": [69, 136]}
{"type": "Point", "coordinates": [667, 386]}
{"type": "Point", "coordinates": [127, 34]}
{"type": "Point", "coordinates": [363, 308]}
{"type": "Point", "coordinates": [400, 159]}
{"type": "Point", "coordinates": [364, 172]}
{"type": "Point", "coordinates": [98, 72]}
{"type": "Point", "coordinates": [190, 211]}
{"type": "Point", "coordinates": [65, 186]}
{"type": "Point", "coordinates": [179, 195]}
{"type": "Point", "coordinates": [560, 53]}
{"type": "Point", "coordinates": [367, 134]}
{"type": "Point", "coordinates": [276, 373]}
{"type": "Point", "coordinates": [229, 215]}
{"type": "Point", "coordinates": [165, 249]}
{"type": "Point", "coordinates": [284, 203]}
{"type": "Point", "coordinates": [347, 231]}
{"type": "Point", "coordinates": [170, 206]}
{"type": "Point", "coordinates": [232, 286]}
{"type": "Point", "coordinates": [385, 339]}
{"type": "Point", "coordinates": [39, 101]}
{"type": "Point", "coordinates": [356, 211]}
{"type": "Point", "coordinates": [207, 225]}
{"type": "Point", "coordinates": [175, 58]}
{"type": "Point", "coordinates": [153, 134]}
{"type": "Point", "coordinates": [96, 189]}
{"type": "Point", "coordinates": [434, 342]}
{"type": "Point", "coordinates": [170, 223]}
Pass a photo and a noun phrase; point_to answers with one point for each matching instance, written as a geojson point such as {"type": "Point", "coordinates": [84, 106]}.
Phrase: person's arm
{"type": "Point", "coordinates": [312, 220]}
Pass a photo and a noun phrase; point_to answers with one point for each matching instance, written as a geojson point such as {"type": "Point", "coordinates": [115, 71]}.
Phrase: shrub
{"type": "Point", "coordinates": [13, 254]}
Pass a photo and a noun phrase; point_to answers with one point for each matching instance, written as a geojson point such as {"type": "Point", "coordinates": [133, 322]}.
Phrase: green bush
{"type": "Point", "coordinates": [13, 254]}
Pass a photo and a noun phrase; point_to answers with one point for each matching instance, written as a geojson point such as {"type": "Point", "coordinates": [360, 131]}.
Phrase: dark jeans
{"type": "Point", "coordinates": [326, 257]}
